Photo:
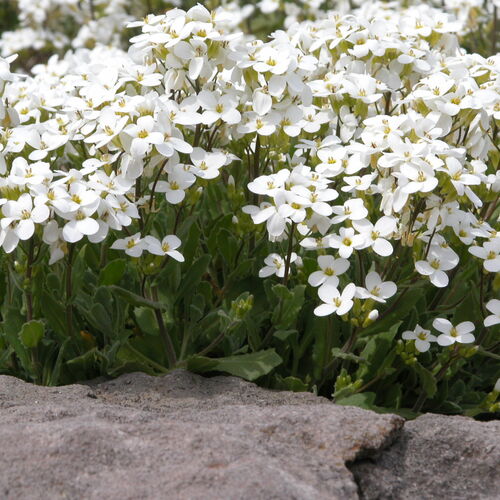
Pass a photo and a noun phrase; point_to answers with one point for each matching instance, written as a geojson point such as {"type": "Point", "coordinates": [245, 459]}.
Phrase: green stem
{"type": "Point", "coordinates": [29, 275]}
{"type": "Point", "coordinates": [167, 341]}
{"type": "Point", "coordinates": [29, 308]}
{"type": "Point", "coordinates": [69, 291]}
{"type": "Point", "coordinates": [345, 348]}
{"type": "Point", "coordinates": [417, 407]}
{"type": "Point", "coordinates": [289, 254]}
{"type": "Point", "coordinates": [147, 360]}
{"type": "Point", "coordinates": [197, 136]}
{"type": "Point", "coordinates": [216, 341]}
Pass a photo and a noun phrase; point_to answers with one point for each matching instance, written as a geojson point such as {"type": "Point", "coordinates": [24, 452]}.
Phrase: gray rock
{"type": "Point", "coordinates": [436, 456]}
{"type": "Point", "coordinates": [180, 436]}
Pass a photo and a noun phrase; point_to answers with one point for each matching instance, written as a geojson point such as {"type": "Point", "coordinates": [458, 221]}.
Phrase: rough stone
{"type": "Point", "coordinates": [180, 436]}
{"type": "Point", "coordinates": [436, 456]}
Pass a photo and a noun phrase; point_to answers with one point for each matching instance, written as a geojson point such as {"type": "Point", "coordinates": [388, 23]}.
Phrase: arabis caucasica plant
{"type": "Point", "coordinates": [316, 209]}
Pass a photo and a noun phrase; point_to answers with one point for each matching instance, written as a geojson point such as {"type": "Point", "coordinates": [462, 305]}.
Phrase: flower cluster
{"type": "Point", "coordinates": [114, 111]}
{"type": "Point", "coordinates": [398, 130]}
{"type": "Point", "coordinates": [371, 141]}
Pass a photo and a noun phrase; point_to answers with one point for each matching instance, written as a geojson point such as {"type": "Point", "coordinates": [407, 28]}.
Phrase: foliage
{"type": "Point", "coordinates": [316, 212]}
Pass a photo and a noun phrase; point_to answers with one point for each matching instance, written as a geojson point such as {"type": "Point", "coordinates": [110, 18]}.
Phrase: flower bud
{"type": "Point", "coordinates": [371, 318]}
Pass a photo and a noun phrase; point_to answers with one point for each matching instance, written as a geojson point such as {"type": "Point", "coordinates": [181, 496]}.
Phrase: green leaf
{"type": "Point", "coordinates": [31, 333]}
{"type": "Point", "coordinates": [366, 400]}
{"type": "Point", "coordinates": [283, 335]}
{"type": "Point", "coordinates": [291, 302]}
{"type": "Point", "coordinates": [427, 380]}
{"type": "Point", "coordinates": [79, 266]}
{"type": "Point", "coordinates": [337, 353]}
{"type": "Point", "coordinates": [227, 246]}
{"type": "Point", "coordinates": [113, 272]}
{"type": "Point", "coordinates": [55, 374]}
{"type": "Point", "coordinates": [450, 407]}
{"type": "Point", "coordinates": [100, 319]}
{"type": "Point", "coordinates": [362, 400]}
{"type": "Point", "coordinates": [55, 315]}
{"type": "Point", "coordinates": [52, 281]}
{"type": "Point", "coordinates": [12, 324]}
{"type": "Point", "coordinates": [393, 396]}
{"type": "Point", "coordinates": [131, 359]}
{"type": "Point", "coordinates": [201, 364]}
{"type": "Point", "coordinates": [247, 366]}
{"type": "Point", "coordinates": [85, 366]}
{"type": "Point", "coordinates": [134, 299]}
{"type": "Point", "coordinates": [250, 366]}
{"type": "Point", "coordinates": [376, 351]}
{"type": "Point", "coordinates": [146, 320]}
{"type": "Point", "coordinates": [242, 269]}
{"type": "Point", "coordinates": [191, 241]}
{"type": "Point", "coordinates": [193, 276]}
{"type": "Point", "coordinates": [291, 384]}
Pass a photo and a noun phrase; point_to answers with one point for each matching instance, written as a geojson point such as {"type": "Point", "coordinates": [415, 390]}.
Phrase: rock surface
{"type": "Point", "coordinates": [180, 436]}
{"type": "Point", "coordinates": [436, 456]}
{"type": "Point", "coordinates": [185, 437]}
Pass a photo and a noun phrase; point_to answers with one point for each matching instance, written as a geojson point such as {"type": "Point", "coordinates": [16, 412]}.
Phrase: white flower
{"type": "Point", "coordinates": [331, 268]}
{"type": "Point", "coordinates": [362, 87]}
{"type": "Point", "coordinates": [375, 235]}
{"type": "Point", "coordinates": [219, 107]}
{"type": "Point", "coordinates": [419, 176]}
{"type": "Point", "coordinates": [165, 247]}
{"type": "Point", "coordinates": [175, 188]}
{"type": "Point", "coordinates": [43, 143]}
{"type": "Point", "coordinates": [435, 266]}
{"type": "Point", "coordinates": [275, 264]}
{"type": "Point", "coordinates": [346, 241]}
{"type": "Point", "coordinates": [422, 338]}
{"type": "Point", "coordinates": [133, 245]}
{"type": "Point", "coordinates": [268, 6]}
{"type": "Point", "coordinates": [269, 184]}
{"type": "Point", "coordinates": [494, 307]}
{"type": "Point", "coordinates": [459, 176]}
{"type": "Point", "coordinates": [143, 135]}
{"type": "Point", "coordinates": [109, 126]}
{"type": "Point", "coordinates": [334, 301]}
{"type": "Point", "coordinates": [263, 125]}
{"type": "Point", "coordinates": [21, 216]}
{"type": "Point", "coordinates": [376, 289]}
{"type": "Point", "coordinates": [23, 174]}
{"type": "Point", "coordinates": [357, 183]}
{"type": "Point", "coordinates": [275, 220]}
{"type": "Point", "coordinates": [451, 334]}
{"type": "Point", "coordinates": [80, 223]}
{"type": "Point", "coordinates": [490, 253]}
{"type": "Point", "coordinates": [353, 209]}
{"type": "Point", "coordinates": [207, 164]}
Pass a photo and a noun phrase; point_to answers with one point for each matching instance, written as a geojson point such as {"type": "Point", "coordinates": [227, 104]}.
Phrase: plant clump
{"type": "Point", "coordinates": [316, 209]}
